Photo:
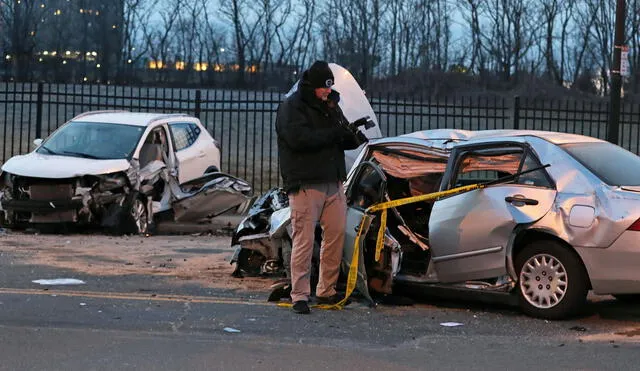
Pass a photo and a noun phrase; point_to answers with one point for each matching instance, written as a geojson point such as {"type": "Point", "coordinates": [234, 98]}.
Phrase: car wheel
{"type": "Point", "coordinates": [552, 282]}
{"type": "Point", "coordinates": [250, 262]}
{"type": "Point", "coordinates": [138, 217]}
{"type": "Point", "coordinates": [628, 298]}
{"type": "Point", "coordinates": [212, 169]}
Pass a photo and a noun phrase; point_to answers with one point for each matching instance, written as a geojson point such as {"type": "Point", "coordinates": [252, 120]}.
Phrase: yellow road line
{"type": "Point", "coordinates": [135, 296]}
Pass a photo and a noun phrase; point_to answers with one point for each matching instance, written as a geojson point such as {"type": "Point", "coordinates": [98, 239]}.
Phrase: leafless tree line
{"type": "Point", "coordinates": [562, 40]}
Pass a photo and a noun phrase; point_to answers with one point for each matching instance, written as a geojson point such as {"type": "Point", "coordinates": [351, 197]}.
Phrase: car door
{"type": "Point", "coordinates": [469, 232]}
{"type": "Point", "coordinates": [366, 188]}
{"type": "Point", "coordinates": [191, 154]}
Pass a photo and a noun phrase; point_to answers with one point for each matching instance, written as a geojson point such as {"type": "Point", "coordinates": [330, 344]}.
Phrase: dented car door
{"type": "Point", "coordinates": [366, 189]}
{"type": "Point", "coordinates": [469, 232]}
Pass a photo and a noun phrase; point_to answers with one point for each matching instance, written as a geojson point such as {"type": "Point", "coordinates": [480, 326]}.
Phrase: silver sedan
{"type": "Point", "coordinates": [545, 237]}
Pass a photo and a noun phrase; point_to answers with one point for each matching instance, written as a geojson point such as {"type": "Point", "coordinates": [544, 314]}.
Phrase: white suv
{"type": "Point", "coordinates": [103, 163]}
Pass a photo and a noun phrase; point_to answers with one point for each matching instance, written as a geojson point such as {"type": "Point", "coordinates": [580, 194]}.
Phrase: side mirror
{"type": "Point", "coordinates": [37, 142]}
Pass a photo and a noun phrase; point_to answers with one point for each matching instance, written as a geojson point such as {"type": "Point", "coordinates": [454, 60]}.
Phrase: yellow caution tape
{"type": "Point", "coordinates": [352, 277]}
{"type": "Point", "coordinates": [384, 206]}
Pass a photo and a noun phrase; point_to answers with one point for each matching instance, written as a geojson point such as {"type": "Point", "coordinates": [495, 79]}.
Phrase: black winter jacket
{"type": "Point", "coordinates": [312, 138]}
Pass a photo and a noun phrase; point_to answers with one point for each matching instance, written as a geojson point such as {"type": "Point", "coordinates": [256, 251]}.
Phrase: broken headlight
{"type": "Point", "coordinates": [111, 182]}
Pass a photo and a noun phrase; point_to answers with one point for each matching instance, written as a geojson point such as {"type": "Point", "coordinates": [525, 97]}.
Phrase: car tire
{"type": "Point", "coordinates": [250, 262]}
{"type": "Point", "coordinates": [137, 215]}
{"type": "Point", "coordinates": [628, 298]}
{"type": "Point", "coordinates": [552, 281]}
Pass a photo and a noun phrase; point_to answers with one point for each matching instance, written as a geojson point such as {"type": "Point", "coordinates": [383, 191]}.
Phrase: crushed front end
{"type": "Point", "coordinates": [84, 199]}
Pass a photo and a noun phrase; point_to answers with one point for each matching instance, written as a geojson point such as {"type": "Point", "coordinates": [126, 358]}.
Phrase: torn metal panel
{"type": "Point", "coordinates": [217, 193]}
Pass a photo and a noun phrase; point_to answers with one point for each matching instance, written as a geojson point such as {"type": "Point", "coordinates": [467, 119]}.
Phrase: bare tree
{"type": "Point", "coordinates": [294, 39]}
{"type": "Point", "coordinates": [601, 36]}
{"type": "Point", "coordinates": [238, 13]}
{"type": "Point", "coordinates": [356, 43]}
{"type": "Point", "coordinates": [509, 36]}
{"type": "Point", "coordinates": [137, 14]}
{"type": "Point", "coordinates": [159, 38]}
{"type": "Point", "coordinates": [472, 11]}
{"type": "Point", "coordinates": [22, 19]}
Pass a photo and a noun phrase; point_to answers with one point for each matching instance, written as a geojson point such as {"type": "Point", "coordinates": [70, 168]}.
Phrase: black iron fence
{"type": "Point", "coordinates": [243, 121]}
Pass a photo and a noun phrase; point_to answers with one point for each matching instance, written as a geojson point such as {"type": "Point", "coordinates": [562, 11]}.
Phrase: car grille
{"type": "Point", "coordinates": [52, 192]}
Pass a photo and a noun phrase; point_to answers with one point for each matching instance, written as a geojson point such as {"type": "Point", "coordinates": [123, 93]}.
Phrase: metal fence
{"type": "Point", "coordinates": [243, 121]}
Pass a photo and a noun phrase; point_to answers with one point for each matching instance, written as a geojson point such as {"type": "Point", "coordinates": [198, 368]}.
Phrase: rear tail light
{"type": "Point", "coordinates": [635, 226]}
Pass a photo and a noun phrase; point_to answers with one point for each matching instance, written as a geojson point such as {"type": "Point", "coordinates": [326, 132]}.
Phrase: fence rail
{"type": "Point", "coordinates": [243, 121]}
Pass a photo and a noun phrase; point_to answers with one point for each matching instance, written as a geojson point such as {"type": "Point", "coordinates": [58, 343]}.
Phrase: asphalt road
{"type": "Point", "coordinates": [144, 322]}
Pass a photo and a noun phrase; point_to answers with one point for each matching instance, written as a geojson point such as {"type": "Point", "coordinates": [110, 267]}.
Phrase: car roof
{"type": "Point", "coordinates": [126, 117]}
{"type": "Point", "coordinates": [441, 137]}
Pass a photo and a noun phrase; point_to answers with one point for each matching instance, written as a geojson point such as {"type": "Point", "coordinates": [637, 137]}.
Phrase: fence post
{"type": "Point", "coordinates": [198, 103]}
{"type": "Point", "coordinates": [516, 113]}
{"type": "Point", "coordinates": [39, 110]}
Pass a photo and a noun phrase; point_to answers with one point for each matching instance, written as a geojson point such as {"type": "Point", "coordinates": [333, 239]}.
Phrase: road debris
{"type": "Point", "coordinates": [59, 281]}
{"type": "Point", "coordinates": [578, 328]}
{"type": "Point", "coordinates": [451, 324]}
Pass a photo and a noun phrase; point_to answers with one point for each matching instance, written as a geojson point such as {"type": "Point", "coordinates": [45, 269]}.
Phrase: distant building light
{"type": "Point", "coordinates": [54, 52]}
{"type": "Point", "coordinates": [64, 62]}
{"type": "Point", "coordinates": [45, 52]}
{"type": "Point", "coordinates": [180, 65]}
{"type": "Point", "coordinates": [221, 50]}
{"type": "Point", "coordinates": [39, 59]}
{"type": "Point", "coordinates": [81, 10]}
{"type": "Point", "coordinates": [94, 53]}
{"type": "Point", "coordinates": [114, 26]}
{"type": "Point", "coordinates": [153, 65]}
{"type": "Point", "coordinates": [33, 33]}
{"type": "Point", "coordinates": [85, 79]}
{"type": "Point", "coordinates": [57, 12]}
{"type": "Point", "coordinates": [134, 48]}
{"type": "Point", "coordinates": [98, 65]}
{"type": "Point", "coordinates": [7, 57]}
{"type": "Point", "coordinates": [67, 52]}
{"type": "Point", "coordinates": [201, 66]}
{"type": "Point", "coordinates": [88, 53]}
{"type": "Point", "coordinates": [129, 61]}
{"type": "Point", "coordinates": [97, 12]}
{"type": "Point", "coordinates": [41, 5]}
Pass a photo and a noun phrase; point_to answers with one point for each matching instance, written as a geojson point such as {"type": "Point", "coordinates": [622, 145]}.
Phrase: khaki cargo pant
{"type": "Point", "coordinates": [327, 204]}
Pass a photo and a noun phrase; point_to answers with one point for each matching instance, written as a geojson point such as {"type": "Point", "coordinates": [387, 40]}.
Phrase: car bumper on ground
{"type": "Point", "coordinates": [616, 269]}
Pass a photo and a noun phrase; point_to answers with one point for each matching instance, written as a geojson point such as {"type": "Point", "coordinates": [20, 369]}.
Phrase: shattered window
{"type": "Point", "coordinates": [479, 167]}
{"type": "Point", "coordinates": [184, 135]}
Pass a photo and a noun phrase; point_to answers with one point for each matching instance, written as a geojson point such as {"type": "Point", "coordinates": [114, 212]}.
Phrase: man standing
{"type": "Point", "coordinates": [312, 136]}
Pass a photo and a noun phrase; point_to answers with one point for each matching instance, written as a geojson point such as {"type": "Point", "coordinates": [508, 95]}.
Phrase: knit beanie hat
{"type": "Point", "coordinates": [319, 75]}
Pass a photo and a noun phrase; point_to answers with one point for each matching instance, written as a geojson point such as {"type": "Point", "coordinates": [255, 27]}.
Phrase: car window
{"type": "Point", "coordinates": [493, 164]}
{"type": "Point", "coordinates": [184, 134]}
{"type": "Point", "coordinates": [612, 164]}
{"type": "Point", "coordinates": [485, 166]}
{"type": "Point", "coordinates": [536, 178]}
{"type": "Point", "coordinates": [93, 140]}
{"type": "Point", "coordinates": [367, 188]}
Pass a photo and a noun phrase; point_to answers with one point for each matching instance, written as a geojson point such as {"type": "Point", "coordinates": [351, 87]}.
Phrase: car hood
{"type": "Point", "coordinates": [58, 167]}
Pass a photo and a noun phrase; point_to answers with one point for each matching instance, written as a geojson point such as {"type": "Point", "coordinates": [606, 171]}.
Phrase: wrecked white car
{"type": "Point", "coordinates": [119, 169]}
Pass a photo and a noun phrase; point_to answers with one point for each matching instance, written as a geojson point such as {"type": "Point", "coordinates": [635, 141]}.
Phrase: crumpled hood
{"type": "Point", "coordinates": [58, 167]}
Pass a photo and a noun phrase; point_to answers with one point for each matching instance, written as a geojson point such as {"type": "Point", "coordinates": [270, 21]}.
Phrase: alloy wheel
{"type": "Point", "coordinates": [139, 215]}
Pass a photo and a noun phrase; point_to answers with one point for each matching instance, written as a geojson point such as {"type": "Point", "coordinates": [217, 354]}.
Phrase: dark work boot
{"type": "Point", "coordinates": [301, 307]}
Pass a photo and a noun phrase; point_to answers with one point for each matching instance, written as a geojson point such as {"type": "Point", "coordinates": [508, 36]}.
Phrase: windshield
{"type": "Point", "coordinates": [93, 140]}
{"type": "Point", "coordinates": [612, 164]}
